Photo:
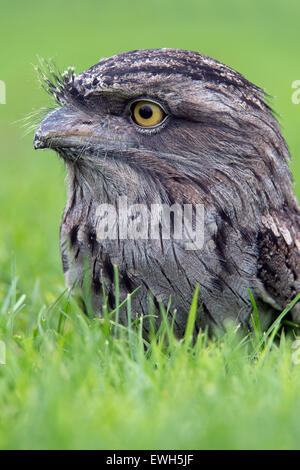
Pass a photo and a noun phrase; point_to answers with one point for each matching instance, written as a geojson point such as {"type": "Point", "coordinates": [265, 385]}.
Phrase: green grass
{"type": "Point", "coordinates": [74, 382]}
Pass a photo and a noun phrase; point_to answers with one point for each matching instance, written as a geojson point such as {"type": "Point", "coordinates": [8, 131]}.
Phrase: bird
{"type": "Point", "coordinates": [171, 128]}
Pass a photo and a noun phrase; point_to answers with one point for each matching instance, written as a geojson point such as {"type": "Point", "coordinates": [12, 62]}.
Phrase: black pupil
{"type": "Point", "coordinates": [145, 111]}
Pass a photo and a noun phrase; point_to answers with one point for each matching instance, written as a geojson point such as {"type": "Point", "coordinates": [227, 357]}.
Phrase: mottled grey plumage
{"type": "Point", "coordinates": [221, 146]}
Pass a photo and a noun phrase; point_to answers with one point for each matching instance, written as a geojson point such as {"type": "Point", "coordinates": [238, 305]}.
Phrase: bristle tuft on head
{"type": "Point", "coordinates": [54, 82]}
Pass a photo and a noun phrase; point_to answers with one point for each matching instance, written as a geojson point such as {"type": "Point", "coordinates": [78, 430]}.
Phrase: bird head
{"type": "Point", "coordinates": [167, 122]}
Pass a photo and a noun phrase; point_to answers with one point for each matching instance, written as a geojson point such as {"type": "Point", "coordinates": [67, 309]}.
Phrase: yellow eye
{"type": "Point", "coordinates": [147, 113]}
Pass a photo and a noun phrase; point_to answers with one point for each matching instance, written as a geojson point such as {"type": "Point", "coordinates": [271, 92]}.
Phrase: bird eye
{"type": "Point", "coordinates": [147, 113]}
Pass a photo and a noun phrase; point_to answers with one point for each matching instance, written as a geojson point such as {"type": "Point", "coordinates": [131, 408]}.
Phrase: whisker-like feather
{"type": "Point", "coordinates": [57, 84]}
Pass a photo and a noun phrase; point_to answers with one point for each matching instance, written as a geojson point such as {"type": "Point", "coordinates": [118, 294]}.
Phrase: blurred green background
{"type": "Point", "coordinates": [259, 38]}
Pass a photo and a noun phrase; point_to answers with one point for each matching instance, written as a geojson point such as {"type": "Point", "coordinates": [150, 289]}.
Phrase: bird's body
{"type": "Point", "coordinates": [216, 144]}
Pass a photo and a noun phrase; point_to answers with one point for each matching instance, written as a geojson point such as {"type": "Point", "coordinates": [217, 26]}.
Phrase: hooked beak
{"type": "Point", "coordinates": [61, 129]}
{"type": "Point", "coordinates": [64, 129]}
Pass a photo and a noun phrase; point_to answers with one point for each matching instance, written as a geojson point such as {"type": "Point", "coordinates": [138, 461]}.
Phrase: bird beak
{"type": "Point", "coordinates": [61, 129]}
